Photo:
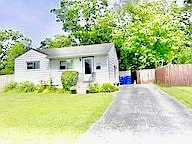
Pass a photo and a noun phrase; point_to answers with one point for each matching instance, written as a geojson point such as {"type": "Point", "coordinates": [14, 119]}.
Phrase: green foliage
{"type": "Point", "coordinates": [14, 51]}
{"type": "Point", "coordinates": [26, 87]}
{"type": "Point", "coordinates": [12, 86]}
{"type": "Point", "coordinates": [78, 16]}
{"type": "Point", "coordinates": [105, 87]}
{"type": "Point", "coordinates": [185, 56]}
{"type": "Point", "coordinates": [40, 87]}
{"type": "Point", "coordinates": [12, 44]}
{"type": "Point", "coordinates": [146, 34]}
{"type": "Point", "coordinates": [100, 32]}
{"type": "Point", "coordinates": [94, 88]}
{"type": "Point", "coordinates": [153, 36]}
{"type": "Point", "coordinates": [51, 87]}
{"type": "Point", "coordinates": [69, 79]}
{"type": "Point", "coordinates": [108, 87]}
{"type": "Point", "coordinates": [46, 87]}
{"type": "Point", "coordinates": [58, 41]}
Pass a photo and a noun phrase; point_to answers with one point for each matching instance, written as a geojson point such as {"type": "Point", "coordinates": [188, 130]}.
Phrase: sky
{"type": "Point", "coordinates": [32, 18]}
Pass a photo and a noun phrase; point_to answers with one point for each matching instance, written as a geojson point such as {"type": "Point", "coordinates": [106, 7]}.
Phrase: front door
{"type": "Point", "coordinates": [87, 68]}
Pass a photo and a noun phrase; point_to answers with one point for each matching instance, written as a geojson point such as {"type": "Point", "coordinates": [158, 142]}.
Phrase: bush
{"type": "Point", "coordinates": [51, 87]}
{"type": "Point", "coordinates": [26, 87]}
{"type": "Point", "coordinates": [11, 87]}
{"type": "Point", "coordinates": [108, 87]}
{"type": "Point", "coordinates": [94, 88]}
{"type": "Point", "coordinates": [40, 87]}
{"type": "Point", "coordinates": [69, 79]}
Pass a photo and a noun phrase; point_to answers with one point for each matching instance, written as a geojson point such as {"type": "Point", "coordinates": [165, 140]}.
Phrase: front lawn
{"type": "Point", "coordinates": [48, 116]}
{"type": "Point", "coordinates": [182, 94]}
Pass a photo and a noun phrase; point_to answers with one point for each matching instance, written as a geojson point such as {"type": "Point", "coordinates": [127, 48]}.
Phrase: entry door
{"type": "Point", "coordinates": [87, 68]}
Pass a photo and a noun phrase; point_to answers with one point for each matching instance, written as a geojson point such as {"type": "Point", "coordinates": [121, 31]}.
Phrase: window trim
{"type": "Point", "coordinates": [66, 61]}
{"type": "Point", "coordinates": [33, 62]}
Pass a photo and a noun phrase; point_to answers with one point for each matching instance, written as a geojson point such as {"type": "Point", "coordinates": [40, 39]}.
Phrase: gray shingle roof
{"type": "Point", "coordinates": [75, 51]}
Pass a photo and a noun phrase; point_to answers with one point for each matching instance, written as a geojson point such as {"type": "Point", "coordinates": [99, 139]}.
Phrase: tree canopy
{"type": "Point", "coordinates": [152, 38]}
{"type": "Point", "coordinates": [146, 34]}
{"type": "Point", "coordinates": [58, 41]}
{"type": "Point", "coordinates": [78, 16]}
{"type": "Point", "coordinates": [12, 44]}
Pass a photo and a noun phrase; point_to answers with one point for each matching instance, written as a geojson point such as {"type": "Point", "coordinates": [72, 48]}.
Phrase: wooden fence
{"type": "Point", "coordinates": [5, 79]}
{"type": "Point", "coordinates": [175, 75]}
{"type": "Point", "coordinates": [145, 76]}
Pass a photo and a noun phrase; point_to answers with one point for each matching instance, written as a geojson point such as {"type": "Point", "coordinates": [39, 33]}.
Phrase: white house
{"type": "Point", "coordinates": [96, 63]}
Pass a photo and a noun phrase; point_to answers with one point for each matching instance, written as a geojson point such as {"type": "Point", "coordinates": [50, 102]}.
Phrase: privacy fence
{"type": "Point", "coordinates": [175, 75]}
{"type": "Point", "coordinates": [145, 76]}
{"type": "Point", "coordinates": [5, 79]}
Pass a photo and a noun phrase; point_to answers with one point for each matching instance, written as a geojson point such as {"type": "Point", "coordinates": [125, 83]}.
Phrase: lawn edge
{"type": "Point", "coordinates": [114, 94]}
{"type": "Point", "coordinates": [172, 97]}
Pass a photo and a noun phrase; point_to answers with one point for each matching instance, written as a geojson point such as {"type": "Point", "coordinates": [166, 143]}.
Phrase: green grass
{"type": "Point", "coordinates": [182, 94]}
{"type": "Point", "coordinates": [49, 115]}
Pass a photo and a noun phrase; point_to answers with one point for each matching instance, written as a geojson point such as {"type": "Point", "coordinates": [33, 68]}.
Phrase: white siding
{"type": "Point", "coordinates": [55, 71]}
{"type": "Point", "coordinates": [51, 68]}
{"type": "Point", "coordinates": [102, 75]}
{"type": "Point", "coordinates": [35, 76]}
{"type": "Point", "coordinates": [113, 61]}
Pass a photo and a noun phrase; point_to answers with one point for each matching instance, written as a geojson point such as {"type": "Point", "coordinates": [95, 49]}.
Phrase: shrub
{"type": "Point", "coordinates": [51, 87]}
{"type": "Point", "coordinates": [59, 90]}
{"type": "Point", "coordinates": [69, 79]}
{"type": "Point", "coordinates": [108, 87]}
{"type": "Point", "coordinates": [94, 88]}
{"type": "Point", "coordinates": [26, 87]}
{"type": "Point", "coordinates": [11, 86]}
{"type": "Point", "coordinates": [40, 87]}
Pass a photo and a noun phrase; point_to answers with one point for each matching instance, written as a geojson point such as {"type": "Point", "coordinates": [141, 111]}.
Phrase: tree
{"type": "Point", "coordinates": [185, 55]}
{"type": "Point", "coordinates": [152, 38]}
{"type": "Point", "coordinates": [12, 44]}
{"type": "Point", "coordinates": [146, 34]}
{"type": "Point", "coordinates": [78, 16]}
{"type": "Point", "coordinates": [14, 51]}
{"type": "Point", "coordinates": [58, 41]}
{"type": "Point", "coordinates": [100, 32]}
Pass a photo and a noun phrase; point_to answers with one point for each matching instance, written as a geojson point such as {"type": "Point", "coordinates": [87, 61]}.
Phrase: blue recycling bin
{"type": "Point", "coordinates": [125, 80]}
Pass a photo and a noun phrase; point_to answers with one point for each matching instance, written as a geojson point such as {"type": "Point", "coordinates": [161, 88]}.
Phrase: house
{"type": "Point", "coordinates": [95, 63]}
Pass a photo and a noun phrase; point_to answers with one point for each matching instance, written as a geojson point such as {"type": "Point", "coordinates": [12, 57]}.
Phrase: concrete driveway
{"type": "Point", "coordinates": [142, 114]}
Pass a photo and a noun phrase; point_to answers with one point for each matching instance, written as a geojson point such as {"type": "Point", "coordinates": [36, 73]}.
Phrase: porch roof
{"type": "Point", "coordinates": [77, 51]}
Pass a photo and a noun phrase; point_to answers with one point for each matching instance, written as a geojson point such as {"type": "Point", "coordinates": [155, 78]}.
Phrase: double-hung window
{"type": "Point", "coordinates": [66, 64]}
{"type": "Point", "coordinates": [33, 65]}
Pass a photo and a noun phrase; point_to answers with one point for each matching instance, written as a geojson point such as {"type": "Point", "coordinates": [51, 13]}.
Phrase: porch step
{"type": "Point", "coordinates": [82, 88]}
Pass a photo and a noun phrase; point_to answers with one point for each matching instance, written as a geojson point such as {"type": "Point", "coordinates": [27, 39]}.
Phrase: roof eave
{"type": "Point", "coordinates": [79, 55]}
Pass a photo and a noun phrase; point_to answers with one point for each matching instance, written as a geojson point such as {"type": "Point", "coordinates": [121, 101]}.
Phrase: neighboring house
{"type": "Point", "coordinates": [95, 63]}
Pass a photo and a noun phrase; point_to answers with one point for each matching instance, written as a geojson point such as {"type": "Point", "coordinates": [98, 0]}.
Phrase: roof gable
{"type": "Point", "coordinates": [29, 51]}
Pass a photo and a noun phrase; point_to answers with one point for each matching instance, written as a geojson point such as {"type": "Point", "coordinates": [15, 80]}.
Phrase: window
{"type": "Point", "coordinates": [67, 64]}
{"type": "Point", "coordinates": [33, 65]}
